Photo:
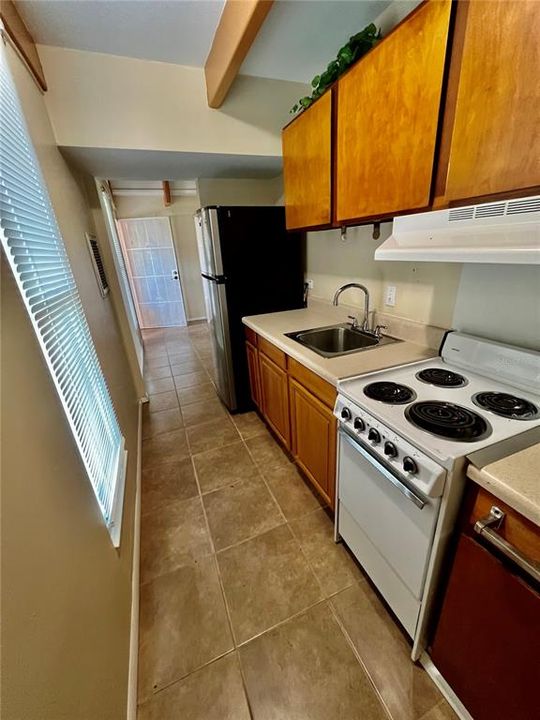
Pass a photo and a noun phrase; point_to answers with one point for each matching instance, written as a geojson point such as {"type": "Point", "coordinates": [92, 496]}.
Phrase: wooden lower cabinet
{"type": "Point", "coordinates": [487, 639]}
{"type": "Point", "coordinates": [254, 375]}
{"type": "Point", "coordinates": [313, 439]}
{"type": "Point", "coordinates": [298, 406]}
{"type": "Point", "coordinates": [275, 398]}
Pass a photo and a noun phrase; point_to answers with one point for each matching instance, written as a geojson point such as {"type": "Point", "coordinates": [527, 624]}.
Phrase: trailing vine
{"type": "Point", "coordinates": [357, 46]}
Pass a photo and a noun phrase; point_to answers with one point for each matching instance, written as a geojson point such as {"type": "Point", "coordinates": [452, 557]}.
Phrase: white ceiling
{"type": "Point", "coordinates": [300, 37]}
{"type": "Point", "coordinates": [174, 31]}
{"type": "Point", "coordinates": [297, 40]}
{"type": "Point", "coordinates": [156, 165]}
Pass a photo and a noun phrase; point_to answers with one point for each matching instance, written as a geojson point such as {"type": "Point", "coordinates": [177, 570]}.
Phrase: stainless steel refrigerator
{"type": "Point", "coordinates": [250, 264]}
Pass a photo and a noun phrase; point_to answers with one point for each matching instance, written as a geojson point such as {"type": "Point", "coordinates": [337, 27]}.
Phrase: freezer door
{"type": "Point", "coordinates": [220, 338]}
{"type": "Point", "coordinates": [207, 230]}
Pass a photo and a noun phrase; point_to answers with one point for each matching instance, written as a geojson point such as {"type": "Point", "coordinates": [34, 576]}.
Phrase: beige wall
{"type": "Point", "coordinates": [227, 191]}
{"type": "Point", "coordinates": [425, 292]}
{"type": "Point", "coordinates": [128, 325]}
{"type": "Point", "coordinates": [98, 100]}
{"type": "Point", "coordinates": [66, 592]}
{"type": "Point", "coordinates": [183, 228]}
{"type": "Point", "coordinates": [501, 302]}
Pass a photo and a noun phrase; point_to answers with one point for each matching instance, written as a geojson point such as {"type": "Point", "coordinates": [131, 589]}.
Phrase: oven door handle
{"type": "Point", "coordinates": [396, 482]}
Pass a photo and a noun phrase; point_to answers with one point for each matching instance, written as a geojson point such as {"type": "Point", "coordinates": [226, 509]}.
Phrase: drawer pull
{"type": "Point", "coordinates": [486, 526]}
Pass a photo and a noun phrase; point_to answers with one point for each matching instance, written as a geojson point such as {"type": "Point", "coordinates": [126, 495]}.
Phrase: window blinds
{"type": "Point", "coordinates": [34, 247]}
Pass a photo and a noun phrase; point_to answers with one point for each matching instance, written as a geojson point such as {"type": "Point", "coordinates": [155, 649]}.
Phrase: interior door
{"type": "Point", "coordinates": [147, 245]}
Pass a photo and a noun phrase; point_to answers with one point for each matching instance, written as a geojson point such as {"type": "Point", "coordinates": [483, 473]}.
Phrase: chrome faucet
{"type": "Point", "coordinates": [365, 322]}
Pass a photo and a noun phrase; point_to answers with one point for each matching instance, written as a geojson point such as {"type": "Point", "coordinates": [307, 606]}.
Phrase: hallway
{"type": "Point", "coordinates": [248, 607]}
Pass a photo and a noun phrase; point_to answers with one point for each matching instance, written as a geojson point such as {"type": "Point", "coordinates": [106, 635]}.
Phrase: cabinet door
{"type": "Point", "coordinates": [307, 166]}
{"type": "Point", "coordinates": [387, 119]}
{"type": "Point", "coordinates": [488, 637]}
{"type": "Point", "coordinates": [314, 439]}
{"type": "Point", "coordinates": [495, 144]}
{"type": "Point", "coordinates": [253, 370]}
{"type": "Point", "coordinates": [275, 398]}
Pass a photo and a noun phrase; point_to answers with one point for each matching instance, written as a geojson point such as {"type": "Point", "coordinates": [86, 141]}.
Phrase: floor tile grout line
{"type": "Point", "coordinates": [212, 543]}
{"type": "Point", "coordinates": [360, 660]}
{"type": "Point", "coordinates": [224, 596]}
{"type": "Point", "coordinates": [187, 675]}
{"type": "Point", "coordinates": [295, 615]}
{"type": "Point", "coordinates": [291, 530]}
{"type": "Point", "coordinates": [245, 540]}
{"type": "Point", "coordinates": [324, 598]}
{"type": "Point", "coordinates": [202, 452]}
{"type": "Point", "coordinates": [309, 565]}
{"type": "Point", "coordinates": [250, 538]}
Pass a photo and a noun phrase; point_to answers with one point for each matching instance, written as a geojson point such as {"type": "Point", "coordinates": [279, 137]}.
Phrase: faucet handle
{"type": "Point", "coordinates": [354, 321]}
{"type": "Point", "coordinates": [378, 329]}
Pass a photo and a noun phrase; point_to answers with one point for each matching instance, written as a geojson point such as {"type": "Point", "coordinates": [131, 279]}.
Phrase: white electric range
{"type": "Point", "coordinates": [404, 436]}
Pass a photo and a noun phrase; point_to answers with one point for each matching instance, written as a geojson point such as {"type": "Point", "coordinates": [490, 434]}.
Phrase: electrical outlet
{"type": "Point", "coordinates": [390, 297]}
{"type": "Point", "coordinates": [309, 283]}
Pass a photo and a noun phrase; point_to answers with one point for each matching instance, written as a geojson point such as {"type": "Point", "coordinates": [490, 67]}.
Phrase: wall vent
{"type": "Point", "coordinates": [464, 213]}
{"type": "Point", "coordinates": [526, 205]}
{"type": "Point", "coordinates": [497, 209]}
{"type": "Point", "coordinates": [97, 264]}
{"type": "Point", "coordinates": [490, 210]}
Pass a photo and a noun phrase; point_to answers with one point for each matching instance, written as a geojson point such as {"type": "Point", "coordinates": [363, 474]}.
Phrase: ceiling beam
{"type": "Point", "coordinates": [238, 27]}
{"type": "Point", "coordinates": [19, 36]}
{"type": "Point", "coordinates": [166, 193]}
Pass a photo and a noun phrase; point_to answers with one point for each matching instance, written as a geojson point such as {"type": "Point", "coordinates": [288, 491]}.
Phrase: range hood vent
{"type": "Point", "coordinates": [497, 232]}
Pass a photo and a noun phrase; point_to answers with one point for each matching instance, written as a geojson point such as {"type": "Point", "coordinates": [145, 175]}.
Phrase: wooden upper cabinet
{"type": "Point", "coordinates": [387, 119]}
{"type": "Point", "coordinates": [307, 166]}
{"type": "Point", "coordinates": [491, 130]}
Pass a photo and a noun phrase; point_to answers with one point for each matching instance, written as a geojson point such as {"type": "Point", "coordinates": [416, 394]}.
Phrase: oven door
{"type": "Point", "coordinates": [389, 526]}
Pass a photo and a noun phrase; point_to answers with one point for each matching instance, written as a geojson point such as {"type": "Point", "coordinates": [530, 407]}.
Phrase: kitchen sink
{"type": "Point", "coordinates": [337, 340]}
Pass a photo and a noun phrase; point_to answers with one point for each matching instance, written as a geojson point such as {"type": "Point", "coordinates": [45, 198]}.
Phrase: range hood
{"type": "Point", "coordinates": [497, 232]}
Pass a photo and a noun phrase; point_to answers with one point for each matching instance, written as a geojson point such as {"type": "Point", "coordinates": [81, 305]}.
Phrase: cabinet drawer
{"type": "Point", "coordinates": [322, 389]}
{"type": "Point", "coordinates": [271, 351]}
{"type": "Point", "coordinates": [515, 529]}
{"type": "Point", "coordinates": [251, 335]}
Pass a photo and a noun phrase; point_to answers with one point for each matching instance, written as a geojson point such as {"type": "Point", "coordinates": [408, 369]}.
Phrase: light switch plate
{"type": "Point", "coordinates": [390, 296]}
{"type": "Point", "coordinates": [309, 283]}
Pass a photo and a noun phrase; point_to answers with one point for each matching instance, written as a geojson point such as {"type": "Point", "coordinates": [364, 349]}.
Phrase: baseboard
{"type": "Point", "coordinates": [196, 321]}
{"type": "Point", "coordinates": [133, 670]}
{"type": "Point", "coordinates": [451, 697]}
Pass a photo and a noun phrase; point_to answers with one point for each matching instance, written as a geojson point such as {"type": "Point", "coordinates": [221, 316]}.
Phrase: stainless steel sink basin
{"type": "Point", "coordinates": [338, 340]}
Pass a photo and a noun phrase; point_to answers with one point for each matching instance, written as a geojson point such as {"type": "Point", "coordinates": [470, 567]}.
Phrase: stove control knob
{"type": "Point", "coordinates": [346, 414]}
{"type": "Point", "coordinates": [410, 466]}
{"type": "Point", "coordinates": [390, 449]}
{"type": "Point", "coordinates": [359, 424]}
{"type": "Point", "coordinates": [374, 436]}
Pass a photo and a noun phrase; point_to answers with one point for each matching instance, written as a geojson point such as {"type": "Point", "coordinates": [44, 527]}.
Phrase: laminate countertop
{"type": "Point", "coordinates": [515, 480]}
{"type": "Point", "coordinates": [273, 326]}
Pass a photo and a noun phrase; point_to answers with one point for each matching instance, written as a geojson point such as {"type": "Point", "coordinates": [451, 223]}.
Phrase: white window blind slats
{"type": "Point", "coordinates": [34, 247]}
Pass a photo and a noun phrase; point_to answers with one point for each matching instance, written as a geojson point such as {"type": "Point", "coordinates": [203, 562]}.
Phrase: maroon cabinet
{"type": "Point", "coordinates": [487, 642]}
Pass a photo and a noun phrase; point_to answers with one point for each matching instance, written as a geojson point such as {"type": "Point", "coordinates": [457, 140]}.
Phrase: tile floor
{"type": "Point", "coordinates": [248, 607]}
